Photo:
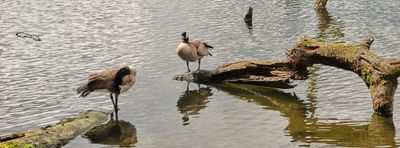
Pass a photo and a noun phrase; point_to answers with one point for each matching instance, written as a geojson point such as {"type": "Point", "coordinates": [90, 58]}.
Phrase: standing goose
{"type": "Point", "coordinates": [113, 81]}
{"type": "Point", "coordinates": [192, 51]}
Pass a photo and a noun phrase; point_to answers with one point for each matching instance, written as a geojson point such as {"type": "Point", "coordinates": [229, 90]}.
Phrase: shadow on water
{"type": "Point", "coordinates": [380, 131]}
{"type": "Point", "coordinates": [192, 101]}
{"type": "Point", "coordinates": [328, 27]}
{"type": "Point", "coordinates": [114, 132]}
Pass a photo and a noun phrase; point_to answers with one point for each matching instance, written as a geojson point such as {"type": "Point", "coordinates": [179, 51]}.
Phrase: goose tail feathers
{"type": "Point", "coordinates": [83, 90]}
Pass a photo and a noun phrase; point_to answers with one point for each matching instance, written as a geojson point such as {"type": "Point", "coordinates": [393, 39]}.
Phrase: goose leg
{"type": "Point", "coordinates": [187, 65]}
{"type": "Point", "coordinates": [199, 65]}
{"type": "Point", "coordinates": [116, 112]}
{"type": "Point", "coordinates": [187, 86]}
{"type": "Point", "coordinates": [112, 99]}
{"type": "Point", "coordinates": [116, 106]}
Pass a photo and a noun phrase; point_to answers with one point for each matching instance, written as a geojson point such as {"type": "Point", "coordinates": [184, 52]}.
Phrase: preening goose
{"type": "Point", "coordinates": [113, 81]}
{"type": "Point", "coordinates": [192, 50]}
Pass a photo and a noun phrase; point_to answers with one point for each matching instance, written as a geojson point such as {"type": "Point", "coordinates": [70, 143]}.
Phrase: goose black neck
{"type": "Point", "coordinates": [118, 78]}
{"type": "Point", "coordinates": [186, 40]}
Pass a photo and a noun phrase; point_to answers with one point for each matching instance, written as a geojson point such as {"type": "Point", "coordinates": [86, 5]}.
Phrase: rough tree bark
{"type": "Point", "coordinates": [379, 74]}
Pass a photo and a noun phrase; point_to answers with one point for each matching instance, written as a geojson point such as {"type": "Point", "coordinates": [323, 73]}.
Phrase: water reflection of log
{"type": "Point", "coordinates": [114, 132]}
{"type": "Point", "coordinates": [312, 89]}
{"type": "Point", "coordinates": [192, 101]}
{"type": "Point", "coordinates": [328, 27]}
{"type": "Point", "coordinates": [380, 131]}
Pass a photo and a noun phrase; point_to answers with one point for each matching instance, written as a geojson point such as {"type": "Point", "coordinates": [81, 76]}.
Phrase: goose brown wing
{"type": "Point", "coordinates": [201, 49]}
{"type": "Point", "coordinates": [101, 80]}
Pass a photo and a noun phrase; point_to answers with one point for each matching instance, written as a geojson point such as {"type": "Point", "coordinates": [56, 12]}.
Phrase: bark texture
{"type": "Point", "coordinates": [379, 74]}
{"type": "Point", "coordinates": [267, 73]}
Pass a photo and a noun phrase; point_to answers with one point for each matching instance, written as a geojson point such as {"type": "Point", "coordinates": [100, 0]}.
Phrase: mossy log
{"type": "Point", "coordinates": [55, 135]}
{"type": "Point", "coordinates": [379, 74]}
{"type": "Point", "coordinates": [267, 73]}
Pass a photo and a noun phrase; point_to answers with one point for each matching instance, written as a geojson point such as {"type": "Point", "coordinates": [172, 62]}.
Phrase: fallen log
{"type": "Point", "coordinates": [55, 135]}
{"type": "Point", "coordinates": [379, 74]}
{"type": "Point", "coordinates": [267, 73]}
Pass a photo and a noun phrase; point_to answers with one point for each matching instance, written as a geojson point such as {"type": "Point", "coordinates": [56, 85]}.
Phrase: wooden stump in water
{"type": "Point", "coordinates": [319, 4]}
{"type": "Point", "coordinates": [248, 17]}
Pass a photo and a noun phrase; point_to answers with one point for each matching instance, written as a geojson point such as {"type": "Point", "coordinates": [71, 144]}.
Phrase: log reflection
{"type": "Point", "coordinates": [114, 132]}
{"type": "Point", "coordinates": [192, 101]}
{"type": "Point", "coordinates": [329, 28]}
{"type": "Point", "coordinates": [380, 131]}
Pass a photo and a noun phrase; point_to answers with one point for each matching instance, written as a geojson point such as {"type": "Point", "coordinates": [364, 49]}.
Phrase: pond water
{"type": "Point", "coordinates": [332, 108]}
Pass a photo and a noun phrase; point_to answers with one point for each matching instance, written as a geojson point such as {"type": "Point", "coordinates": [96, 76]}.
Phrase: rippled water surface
{"type": "Point", "coordinates": [331, 108]}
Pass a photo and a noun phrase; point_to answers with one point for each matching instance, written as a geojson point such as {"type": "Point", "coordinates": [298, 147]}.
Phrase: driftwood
{"type": "Point", "coordinates": [267, 73]}
{"type": "Point", "coordinates": [55, 135]}
{"type": "Point", "coordinates": [379, 74]}
{"type": "Point", "coordinates": [28, 35]}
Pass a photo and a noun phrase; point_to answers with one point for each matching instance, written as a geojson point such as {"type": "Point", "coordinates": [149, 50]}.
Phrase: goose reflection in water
{"type": "Point", "coordinates": [380, 131]}
{"type": "Point", "coordinates": [114, 132]}
{"type": "Point", "coordinates": [192, 101]}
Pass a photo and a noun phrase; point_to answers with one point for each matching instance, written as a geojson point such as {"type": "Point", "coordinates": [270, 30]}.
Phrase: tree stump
{"type": "Point", "coordinates": [319, 4]}
{"type": "Point", "coordinates": [248, 17]}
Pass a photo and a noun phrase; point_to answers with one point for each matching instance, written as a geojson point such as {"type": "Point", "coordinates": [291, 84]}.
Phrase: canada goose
{"type": "Point", "coordinates": [114, 81]}
{"type": "Point", "coordinates": [193, 50]}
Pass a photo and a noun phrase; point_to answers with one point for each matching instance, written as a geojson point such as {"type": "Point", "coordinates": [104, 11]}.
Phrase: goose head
{"type": "Point", "coordinates": [185, 39]}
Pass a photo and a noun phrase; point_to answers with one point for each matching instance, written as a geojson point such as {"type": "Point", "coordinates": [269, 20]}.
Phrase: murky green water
{"type": "Point", "coordinates": [331, 108]}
